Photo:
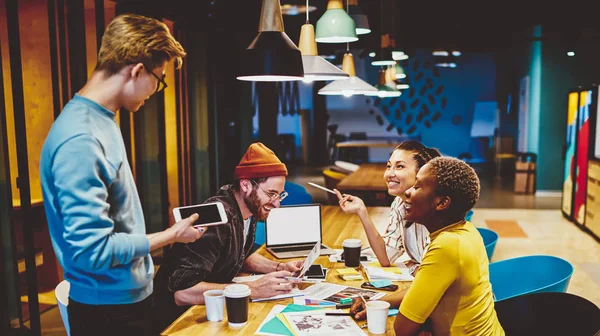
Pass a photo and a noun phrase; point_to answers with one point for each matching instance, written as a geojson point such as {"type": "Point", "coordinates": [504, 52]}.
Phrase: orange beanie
{"type": "Point", "coordinates": [259, 161]}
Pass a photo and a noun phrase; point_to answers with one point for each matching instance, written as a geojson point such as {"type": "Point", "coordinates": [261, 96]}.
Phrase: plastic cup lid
{"type": "Point", "coordinates": [352, 243]}
{"type": "Point", "coordinates": [237, 291]}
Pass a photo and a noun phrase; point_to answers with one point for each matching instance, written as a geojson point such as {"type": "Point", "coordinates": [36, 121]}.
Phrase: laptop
{"type": "Point", "coordinates": [292, 231]}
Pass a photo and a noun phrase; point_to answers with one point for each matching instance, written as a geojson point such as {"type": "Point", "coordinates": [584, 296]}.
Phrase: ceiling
{"type": "Point", "coordinates": [470, 25]}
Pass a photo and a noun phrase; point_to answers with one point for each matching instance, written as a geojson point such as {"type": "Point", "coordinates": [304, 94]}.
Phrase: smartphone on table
{"type": "Point", "coordinates": [316, 271]}
{"type": "Point", "coordinates": [368, 285]}
{"type": "Point", "coordinates": [208, 214]}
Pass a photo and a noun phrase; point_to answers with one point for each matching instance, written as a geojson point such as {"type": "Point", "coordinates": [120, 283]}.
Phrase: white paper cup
{"type": "Point", "coordinates": [377, 314]}
{"type": "Point", "coordinates": [215, 304]}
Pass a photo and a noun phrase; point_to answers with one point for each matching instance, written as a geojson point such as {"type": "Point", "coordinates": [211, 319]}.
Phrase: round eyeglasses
{"type": "Point", "coordinates": [272, 195]}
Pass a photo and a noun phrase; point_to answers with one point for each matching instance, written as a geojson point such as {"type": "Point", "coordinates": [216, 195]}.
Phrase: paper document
{"type": "Point", "coordinates": [334, 293]}
{"type": "Point", "coordinates": [317, 323]}
{"type": "Point", "coordinates": [398, 272]}
{"type": "Point", "coordinates": [310, 259]}
{"type": "Point", "coordinates": [272, 325]}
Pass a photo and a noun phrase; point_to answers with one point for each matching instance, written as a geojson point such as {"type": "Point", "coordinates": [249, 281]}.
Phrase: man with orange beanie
{"type": "Point", "coordinates": [213, 261]}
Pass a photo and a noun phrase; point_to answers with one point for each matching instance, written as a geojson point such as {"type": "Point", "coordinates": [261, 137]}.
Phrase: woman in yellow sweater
{"type": "Point", "coordinates": [451, 289]}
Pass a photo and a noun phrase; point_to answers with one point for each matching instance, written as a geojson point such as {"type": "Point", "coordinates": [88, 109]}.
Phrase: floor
{"type": "Point", "coordinates": [526, 224]}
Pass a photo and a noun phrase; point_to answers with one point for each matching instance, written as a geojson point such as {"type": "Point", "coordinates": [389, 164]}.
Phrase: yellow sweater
{"type": "Point", "coordinates": [452, 286]}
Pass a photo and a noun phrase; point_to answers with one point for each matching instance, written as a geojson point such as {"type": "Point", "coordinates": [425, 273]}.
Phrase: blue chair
{"type": "Point", "coordinates": [469, 215]}
{"type": "Point", "coordinates": [490, 238]}
{"type": "Point", "coordinates": [297, 194]}
{"type": "Point", "coordinates": [529, 274]}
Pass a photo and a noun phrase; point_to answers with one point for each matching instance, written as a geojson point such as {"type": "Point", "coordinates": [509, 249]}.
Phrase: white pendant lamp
{"type": "Point", "coordinates": [316, 68]}
{"type": "Point", "coordinates": [350, 87]}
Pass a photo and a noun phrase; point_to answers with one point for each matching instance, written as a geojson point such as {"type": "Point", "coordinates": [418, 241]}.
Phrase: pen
{"type": "Point", "coordinates": [362, 298]}
{"type": "Point", "coordinates": [322, 188]}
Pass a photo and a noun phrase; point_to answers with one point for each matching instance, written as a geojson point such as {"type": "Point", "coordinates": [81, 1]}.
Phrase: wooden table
{"type": "Point", "coordinates": [337, 226]}
{"type": "Point", "coordinates": [368, 184]}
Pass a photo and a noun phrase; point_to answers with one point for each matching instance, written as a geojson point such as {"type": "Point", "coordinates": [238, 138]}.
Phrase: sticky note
{"type": "Point", "coordinates": [381, 283]}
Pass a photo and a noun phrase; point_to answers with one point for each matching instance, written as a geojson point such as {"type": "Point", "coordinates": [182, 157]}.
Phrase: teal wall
{"type": "Point", "coordinates": [552, 74]}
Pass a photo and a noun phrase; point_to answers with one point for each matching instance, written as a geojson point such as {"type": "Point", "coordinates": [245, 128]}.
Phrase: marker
{"type": "Point", "coordinates": [338, 314]}
{"type": "Point", "coordinates": [322, 188]}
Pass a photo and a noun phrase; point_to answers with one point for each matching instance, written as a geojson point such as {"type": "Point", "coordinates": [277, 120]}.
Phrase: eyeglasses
{"type": "Point", "coordinates": [161, 85]}
{"type": "Point", "coordinates": [272, 195]}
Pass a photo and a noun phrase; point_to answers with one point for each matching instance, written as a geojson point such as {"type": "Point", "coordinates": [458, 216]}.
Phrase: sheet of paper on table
{"type": "Point", "coordinates": [334, 293]}
{"type": "Point", "coordinates": [317, 323]}
{"type": "Point", "coordinates": [272, 325]}
{"type": "Point", "coordinates": [398, 272]}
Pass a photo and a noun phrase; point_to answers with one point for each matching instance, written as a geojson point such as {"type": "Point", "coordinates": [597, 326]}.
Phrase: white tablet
{"type": "Point", "coordinates": [209, 213]}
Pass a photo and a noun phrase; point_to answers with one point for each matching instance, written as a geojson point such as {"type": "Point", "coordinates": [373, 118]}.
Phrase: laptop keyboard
{"type": "Point", "coordinates": [295, 248]}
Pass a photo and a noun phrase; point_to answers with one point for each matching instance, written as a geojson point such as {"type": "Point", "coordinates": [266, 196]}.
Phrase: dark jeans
{"type": "Point", "coordinates": [111, 320]}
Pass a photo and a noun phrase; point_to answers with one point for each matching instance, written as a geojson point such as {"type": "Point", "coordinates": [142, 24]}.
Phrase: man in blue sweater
{"type": "Point", "coordinates": [93, 209]}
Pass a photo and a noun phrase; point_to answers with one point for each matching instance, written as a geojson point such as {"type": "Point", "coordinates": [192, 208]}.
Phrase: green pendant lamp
{"type": "Point", "coordinates": [336, 26]}
{"type": "Point", "coordinates": [384, 90]}
{"type": "Point", "coordinates": [272, 56]}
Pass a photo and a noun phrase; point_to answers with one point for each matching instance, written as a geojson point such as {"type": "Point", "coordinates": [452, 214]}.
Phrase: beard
{"type": "Point", "coordinates": [254, 205]}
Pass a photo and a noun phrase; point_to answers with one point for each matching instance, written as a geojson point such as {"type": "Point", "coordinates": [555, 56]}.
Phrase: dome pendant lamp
{"type": "Point", "coordinates": [360, 19]}
{"type": "Point", "coordinates": [316, 68]}
{"type": "Point", "coordinates": [272, 56]}
{"type": "Point", "coordinates": [347, 88]}
{"type": "Point", "coordinates": [336, 26]}
{"type": "Point", "coordinates": [383, 90]}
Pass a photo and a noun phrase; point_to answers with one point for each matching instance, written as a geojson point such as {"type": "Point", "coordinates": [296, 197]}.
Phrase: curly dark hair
{"type": "Point", "coordinates": [457, 180]}
{"type": "Point", "coordinates": [421, 153]}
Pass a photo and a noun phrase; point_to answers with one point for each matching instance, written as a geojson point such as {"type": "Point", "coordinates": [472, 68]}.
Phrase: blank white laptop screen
{"type": "Point", "coordinates": [293, 225]}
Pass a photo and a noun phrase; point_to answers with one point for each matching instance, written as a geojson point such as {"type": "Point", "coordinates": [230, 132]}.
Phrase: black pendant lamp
{"type": "Point", "coordinates": [272, 56]}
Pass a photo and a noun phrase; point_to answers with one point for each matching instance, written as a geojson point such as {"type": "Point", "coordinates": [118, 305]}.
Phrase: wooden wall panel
{"type": "Point", "coordinates": [37, 83]}
{"type": "Point", "coordinates": [8, 102]}
{"type": "Point", "coordinates": [91, 52]}
{"type": "Point", "coordinates": [171, 138]}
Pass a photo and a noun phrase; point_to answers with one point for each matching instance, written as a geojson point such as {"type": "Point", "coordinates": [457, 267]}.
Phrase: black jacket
{"type": "Point", "coordinates": [216, 257]}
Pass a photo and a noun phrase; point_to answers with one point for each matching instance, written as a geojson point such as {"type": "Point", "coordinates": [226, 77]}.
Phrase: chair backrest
{"type": "Point", "coordinates": [297, 194]}
{"type": "Point", "coordinates": [548, 314]}
{"type": "Point", "coordinates": [490, 238]}
{"type": "Point", "coordinates": [332, 178]}
{"type": "Point", "coordinates": [347, 165]}
{"type": "Point", "coordinates": [529, 274]}
{"type": "Point", "coordinates": [62, 296]}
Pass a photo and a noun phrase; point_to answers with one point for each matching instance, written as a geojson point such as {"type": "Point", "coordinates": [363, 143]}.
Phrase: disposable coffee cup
{"type": "Point", "coordinates": [237, 298]}
{"type": "Point", "coordinates": [377, 314]}
{"type": "Point", "coordinates": [215, 304]}
{"type": "Point", "coordinates": [352, 252]}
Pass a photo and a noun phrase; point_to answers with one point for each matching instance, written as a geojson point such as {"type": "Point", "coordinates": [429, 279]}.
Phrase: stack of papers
{"type": "Point", "coordinates": [394, 273]}
{"type": "Point", "coordinates": [293, 320]}
{"type": "Point", "coordinates": [349, 274]}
